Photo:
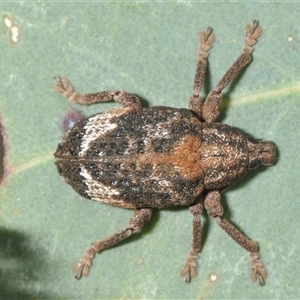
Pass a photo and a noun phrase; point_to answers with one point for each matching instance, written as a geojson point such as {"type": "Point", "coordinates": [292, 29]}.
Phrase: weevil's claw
{"type": "Point", "coordinates": [189, 270]}
{"type": "Point", "coordinates": [252, 33]}
{"type": "Point", "coordinates": [63, 86]}
{"type": "Point", "coordinates": [259, 273]}
{"type": "Point", "coordinates": [80, 270]}
{"type": "Point", "coordinates": [206, 40]}
{"type": "Point", "coordinates": [59, 83]}
{"type": "Point", "coordinates": [77, 269]}
{"type": "Point", "coordinates": [254, 25]}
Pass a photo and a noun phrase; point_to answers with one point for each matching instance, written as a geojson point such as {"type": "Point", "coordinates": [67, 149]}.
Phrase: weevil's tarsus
{"type": "Point", "coordinates": [252, 33]}
{"type": "Point", "coordinates": [140, 217]}
{"type": "Point", "coordinates": [206, 41]}
{"type": "Point", "coordinates": [189, 270]}
{"type": "Point", "coordinates": [258, 271]}
{"type": "Point", "coordinates": [211, 107]}
{"type": "Point", "coordinates": [64, 87]}
{"type": "Point", "coordinates": [212, 203]}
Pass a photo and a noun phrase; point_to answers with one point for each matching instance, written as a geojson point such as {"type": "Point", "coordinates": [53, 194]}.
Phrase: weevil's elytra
{"type": "Point", "coordinates": [145, 158]}
{"type": "Point", "coordinates": [162, 145]}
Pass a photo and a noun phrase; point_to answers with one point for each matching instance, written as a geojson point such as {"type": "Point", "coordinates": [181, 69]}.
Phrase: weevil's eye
{"type": "Point", "coordinates": [254, 163]}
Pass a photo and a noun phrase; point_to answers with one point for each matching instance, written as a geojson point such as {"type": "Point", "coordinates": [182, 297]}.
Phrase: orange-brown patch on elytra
{"type": "Point", "coordinates": [185, 158]}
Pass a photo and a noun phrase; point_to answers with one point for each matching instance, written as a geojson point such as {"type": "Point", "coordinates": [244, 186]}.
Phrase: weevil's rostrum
{"type": "Point", "coordinates": [145, 158]}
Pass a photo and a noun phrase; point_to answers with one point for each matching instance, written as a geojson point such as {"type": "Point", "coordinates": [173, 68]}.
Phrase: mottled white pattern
{"type": "Point", "coordinates": [99, 125]}
{"type": "Point", "coordinates": [132, 146]}
{"type": "Point", "coordinates": [95, 189]}
{"type": "Point", "coordinates": [166, 186]}
{"type": "Point", "coordinates": [159, 130]}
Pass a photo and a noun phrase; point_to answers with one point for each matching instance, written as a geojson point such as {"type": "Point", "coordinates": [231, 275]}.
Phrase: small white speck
{"type": "Point", "coordinates": [8, 22]}
{"type": "Point", "coordinates": [290, 38]}
{"type": "Point", "coordinates": [15, 34]}
{"type": "Point", "coordinates": [213, 277]}
{"type": "Point", "coordinates": [14, 29]}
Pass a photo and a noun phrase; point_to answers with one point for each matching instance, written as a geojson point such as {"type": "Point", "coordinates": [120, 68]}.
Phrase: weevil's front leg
{"type": "Point", "coordinates": [82, 268]}
{"type": "Point", "coordinates": [206, 40]}
{"type": "Point", "coordinates": [214, 208]}
{"type": "Point", "coordinates": [213, 101]}
{"type": "Point", "coordinates": [64, 87]}
{"type": "Point", "coordinates": [190, 268]}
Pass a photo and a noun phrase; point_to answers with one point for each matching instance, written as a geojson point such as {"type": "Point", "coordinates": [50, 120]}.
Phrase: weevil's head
{"type": "Point", "coordinates": [261, 153]}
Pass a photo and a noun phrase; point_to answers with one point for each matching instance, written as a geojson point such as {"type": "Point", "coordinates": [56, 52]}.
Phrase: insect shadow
{"type": "Point", "coordinates": [20, 266]}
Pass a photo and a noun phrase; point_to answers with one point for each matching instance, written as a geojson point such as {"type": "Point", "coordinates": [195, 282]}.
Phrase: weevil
{"type": "Point", "coordinates": [156, 157]}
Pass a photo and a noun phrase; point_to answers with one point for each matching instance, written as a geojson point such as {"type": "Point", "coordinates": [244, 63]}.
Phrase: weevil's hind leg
{"type": "Point", "coordinates": [213, 101]}
{"type": "Point", "coordinates": [206, 40]}
{"type": "Point", "coordinates": [64, 87]}
{"type": "Point", "coordinates": [190, 268]}
{"type": "Point", "coordinates": [212, 204]}
{"type": "Point", "coordinates": [82, 268]}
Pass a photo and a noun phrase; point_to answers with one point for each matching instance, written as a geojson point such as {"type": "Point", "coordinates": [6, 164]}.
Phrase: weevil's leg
{"type": "Point", "coordinates": [213, 101]}
{"type": "Point", "coordinates": [212, 204]}
{"type": "Point", "coordinates": [206, 40]}
{"type": "Point", "coordinates": [190, 268]}
{"type": "Point", "coordinates": [64, 87]}
{"type": "Point", "coordinates": [140, 217]}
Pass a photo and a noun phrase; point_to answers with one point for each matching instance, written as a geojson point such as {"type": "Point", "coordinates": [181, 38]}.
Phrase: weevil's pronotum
{"type": "Point", "coordinates": [157, 157]}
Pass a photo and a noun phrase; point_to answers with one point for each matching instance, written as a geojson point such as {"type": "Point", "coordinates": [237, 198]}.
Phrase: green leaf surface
{"type": "Point", "coordinates": [148, 49]}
